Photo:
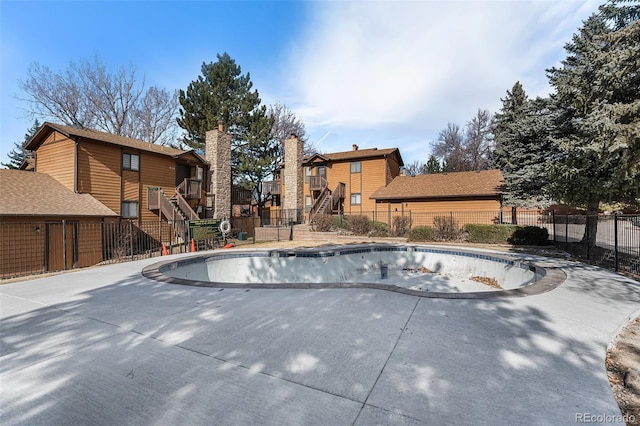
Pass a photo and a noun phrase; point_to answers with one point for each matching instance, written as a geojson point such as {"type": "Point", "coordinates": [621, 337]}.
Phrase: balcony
{"type": "Point", "coordinates": [190, 189]}
{"type": "Point", "coordinates": [273, 187]}
{"type": "Point", "coordinates": [317, 183]}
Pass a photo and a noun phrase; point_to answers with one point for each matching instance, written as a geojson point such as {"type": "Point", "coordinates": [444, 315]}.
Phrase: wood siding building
{"type": "Point", "coordinates": [42, 225]}
{"type": "Point", "coordinates": [461, 192]}
{"type": "Point", "coordinates": [355, 175]}
{"type": "Point", "coordinates": [118, 171]}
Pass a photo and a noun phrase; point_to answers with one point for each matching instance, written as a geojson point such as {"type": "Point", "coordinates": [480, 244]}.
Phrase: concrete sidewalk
{"type": "Point", "coordinates": [108, 346]}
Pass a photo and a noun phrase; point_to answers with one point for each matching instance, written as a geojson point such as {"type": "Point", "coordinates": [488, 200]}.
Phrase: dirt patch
{"type": "Point", "coordinates": [491, 282]}
{"type": "Point", "coordinates": [422, 270]}
{"type": "Point", "coordinates": [623, 369]}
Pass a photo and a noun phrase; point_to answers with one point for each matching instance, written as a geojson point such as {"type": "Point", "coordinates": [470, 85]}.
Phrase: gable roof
{"type": "Point", "coordinates": [96, 135]}
{"type": "Point", "coordinates": [443, 185]}
{"type": "Point", "coordinates": [37, 194]}
{"type": "Point", "coordinates": [358, 154]}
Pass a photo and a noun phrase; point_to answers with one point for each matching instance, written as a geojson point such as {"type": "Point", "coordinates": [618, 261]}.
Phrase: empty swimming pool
{"type": "Point", "coordinates": [418, 270]}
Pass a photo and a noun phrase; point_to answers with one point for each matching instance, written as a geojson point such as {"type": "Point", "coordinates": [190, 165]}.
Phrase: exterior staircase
{"type": "Point", "coordinates": [328, 200]}
{"type": "Point", "coordinates": [176, 209]}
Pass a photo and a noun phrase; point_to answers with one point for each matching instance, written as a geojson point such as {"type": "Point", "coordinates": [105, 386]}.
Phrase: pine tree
{"type": "Point", "coordinates": [220, 95]}
{"type": "Point", "coordinates": [433, 165]}
{"type": "Point", "coordinates": [596, 106]}
{"type": "Point", "coordinates": [523, 148]}
{"type": "Point", "coordinates": [19, 154]}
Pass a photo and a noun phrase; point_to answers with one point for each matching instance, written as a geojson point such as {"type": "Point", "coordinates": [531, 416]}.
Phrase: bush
{"type": "Point", "coordinates": [445, 228]}
{"type": "Point", "coordinates": [530, 235]}
{"type": "Point", "coordinates": [401, 225]}
{"type": "Point", "coordinates": [340, 222]}
{"type": "Point", "coordinates": [489, 234]}
{"type": "Point", "coordinates": [378, 229]}
{"type": "Point", "coordinates": [322, 222]}
{"type": "Point", "coordinates": [421, 233]}
{"type": "Point", "coordinates": [359, 225]}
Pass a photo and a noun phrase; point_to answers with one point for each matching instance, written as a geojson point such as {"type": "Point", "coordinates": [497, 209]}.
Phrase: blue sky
{"type": "Point", "coordinates": [374, 73]}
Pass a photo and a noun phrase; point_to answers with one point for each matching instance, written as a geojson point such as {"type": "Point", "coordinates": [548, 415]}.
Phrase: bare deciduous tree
{"type": "Point", "coordinates": [285, 123]}
{"type": "Point", "coordinates": [451, 148]}
{"type": "Point", "coordinates": [88, 95]}
{"type": "Point", "coordinates": [471, 150]}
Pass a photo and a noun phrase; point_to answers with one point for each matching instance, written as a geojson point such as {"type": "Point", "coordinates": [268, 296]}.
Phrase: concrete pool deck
{"type": "Point", "coordinates": [108, 346]}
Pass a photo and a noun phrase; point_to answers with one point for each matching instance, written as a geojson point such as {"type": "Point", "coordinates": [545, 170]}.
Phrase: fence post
{"type": "Point", "coordinates": [553, 220]}
{"type": "Point", "coordinates": [615, 241]}
{"type": "Point", "coordinates": [588, 229]}
{"type": "Point", "coordinates": [566, 232]}
{"type": "Point", "coordinates": [131, 239]}
{"type": "Point", "coordinates": [64, 244]}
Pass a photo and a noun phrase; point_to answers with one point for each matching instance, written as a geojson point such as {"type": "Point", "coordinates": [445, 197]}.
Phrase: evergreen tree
{"type": "Point", "coordinates": [596, 106]}
{"type": "Point", "coordinates": [523, 148]}
{"type": "Point", "coordinates": [433, 165]}
{"type": "Point", "coordinates": [220, 95]}
{"type": "Point", "coordinates": [18, 154]}
{"type": "Point", "coordinates": [597, 111]}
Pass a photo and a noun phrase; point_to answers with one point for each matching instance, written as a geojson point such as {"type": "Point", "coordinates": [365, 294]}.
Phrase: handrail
{"type": "Point", "coordinates": [337, 195]}
{"type": "Point", "coordinates": [185, 207]}
{"type": "Point", "coordinates": [320, 201]}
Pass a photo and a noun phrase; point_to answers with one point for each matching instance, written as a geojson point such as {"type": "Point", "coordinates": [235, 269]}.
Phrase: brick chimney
{"type": "Point", "coordinates": [355, 147]}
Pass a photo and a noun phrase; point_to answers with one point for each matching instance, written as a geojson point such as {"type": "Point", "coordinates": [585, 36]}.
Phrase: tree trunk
{"type": "Point", "coordinates": [591, 227]}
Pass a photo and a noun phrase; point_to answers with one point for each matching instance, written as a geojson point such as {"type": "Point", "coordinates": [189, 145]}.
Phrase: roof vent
{"type": "Point", "coordinates": [355, 147]}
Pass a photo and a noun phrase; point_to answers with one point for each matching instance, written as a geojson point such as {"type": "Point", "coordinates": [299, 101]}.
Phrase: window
{"type": "Point", "coordinates": [307, 174]}
{"type": "Point", "coordinates": [356, 199]}
{"type": "Point", "coordinates": [355, 167]}
{"type": "Point", "coordinates": [307, 203]}
{"type": "Point", "coordinates": [130, 161]}
{"type": "Point", "coordinates": [129, 209]}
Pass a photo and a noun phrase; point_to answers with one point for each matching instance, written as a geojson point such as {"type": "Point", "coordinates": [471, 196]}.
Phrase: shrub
{"type": "Point", "coordinates": [322, 222]}
{"type": "Point", "coordinates": [445, 228]}
{"type": "Point", "coordinates": [378, 229]}
{"type": "Point", "coordinates": [401, 225]}
{"type": "Point", "coordinates": [530, 235]}
{"type": "Point", "coordinates": [489, 234]}
{"type": "Point", "coordinates": [359, 225]}
{"type": "Point", "coordinates": [340, 222]}
{"type": "Point", "coordinates": [421, 233]}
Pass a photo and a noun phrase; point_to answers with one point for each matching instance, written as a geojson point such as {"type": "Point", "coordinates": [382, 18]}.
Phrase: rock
{"type": "Point", "coordinates": [632, 379]}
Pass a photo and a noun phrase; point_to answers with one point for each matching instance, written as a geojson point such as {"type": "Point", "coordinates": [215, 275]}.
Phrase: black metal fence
{"type": "Point", "coordinates": [35, 247]}
{"type": "Point", "coordinates": [612, 241]}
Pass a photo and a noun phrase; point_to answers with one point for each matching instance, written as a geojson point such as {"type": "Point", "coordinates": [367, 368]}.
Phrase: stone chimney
{"type": "Point", "coordinates": [354, 147]}
{"type": "Point", "coordinates": [293, 178]}
{"type": "Point", "coordinates": [218, 154]}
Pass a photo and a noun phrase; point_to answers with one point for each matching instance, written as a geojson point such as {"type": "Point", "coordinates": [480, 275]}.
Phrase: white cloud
{"type": "Point", "coordinates": [414, 66]}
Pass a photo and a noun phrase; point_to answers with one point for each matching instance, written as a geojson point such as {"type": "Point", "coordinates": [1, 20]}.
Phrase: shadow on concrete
{"type": "Point", "coordinates": [143, 352]}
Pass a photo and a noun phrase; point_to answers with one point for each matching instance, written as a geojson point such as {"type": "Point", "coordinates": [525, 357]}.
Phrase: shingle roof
{"type": "Point", "coordinates": [357, 154]}
{"type": "Point", "coordinates": [37, 194]}
{"type": "Point", "coordinates": [442, 185]}
{"type": "Point", "coordinates": [70, 131]}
